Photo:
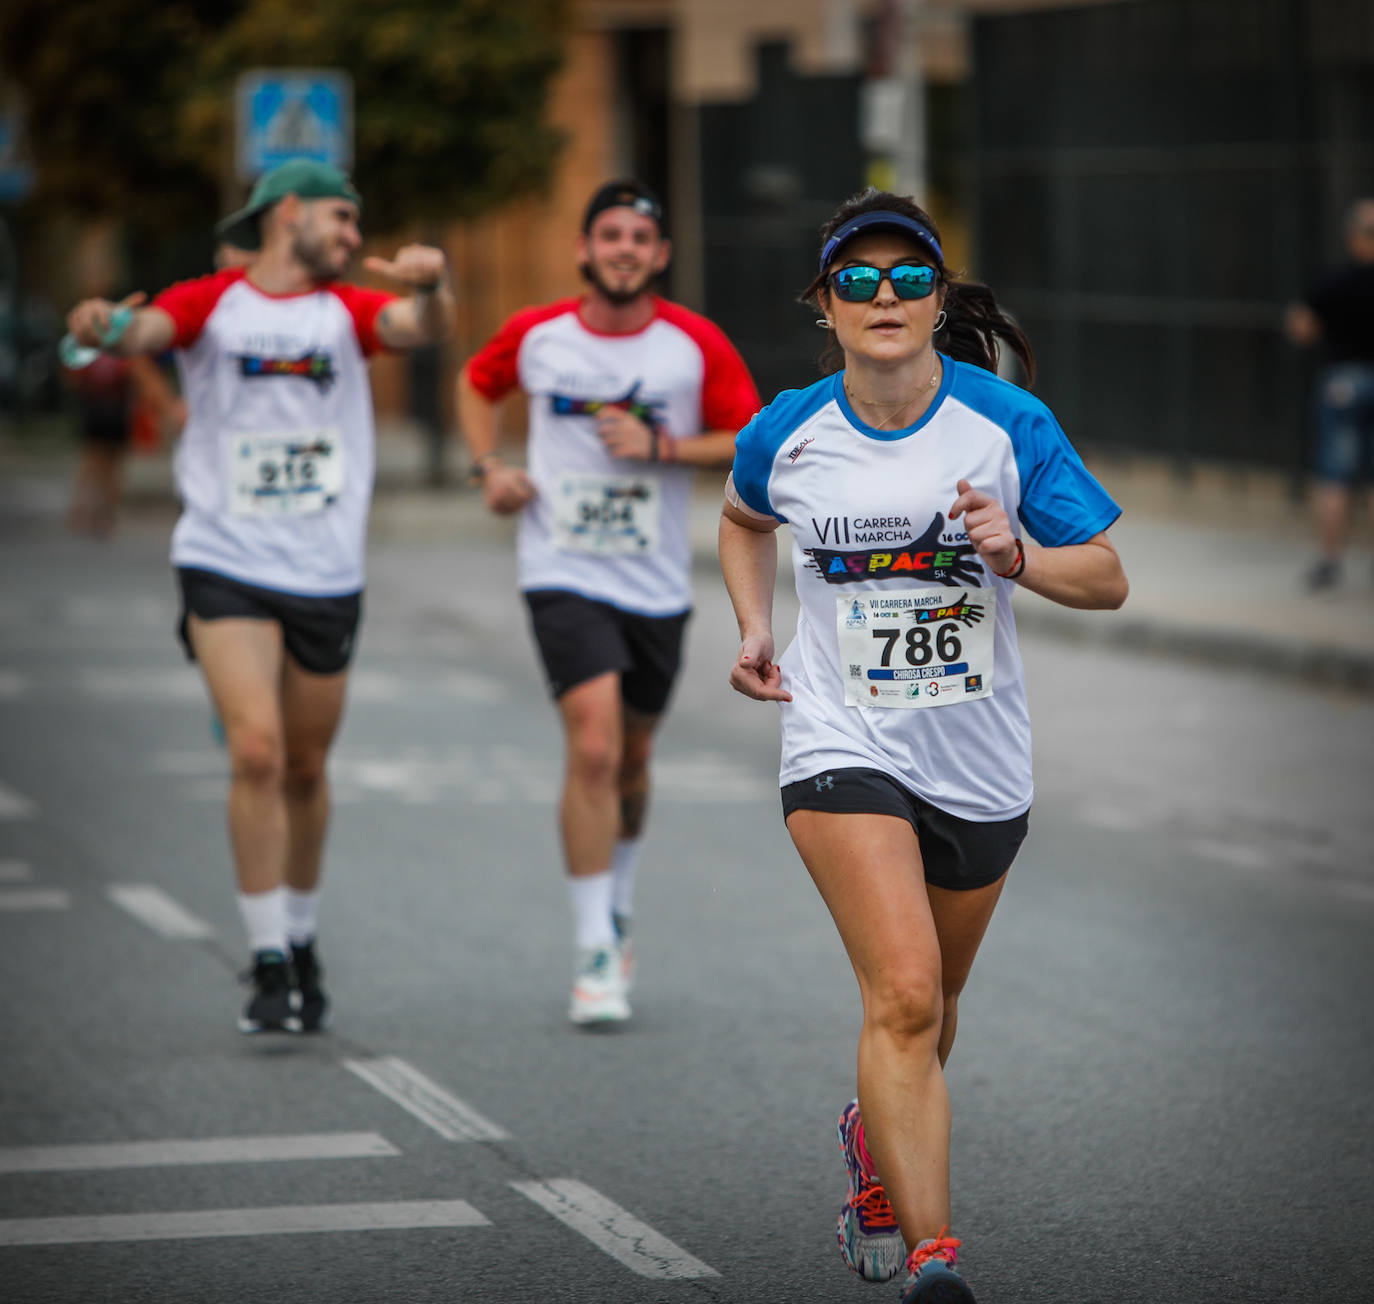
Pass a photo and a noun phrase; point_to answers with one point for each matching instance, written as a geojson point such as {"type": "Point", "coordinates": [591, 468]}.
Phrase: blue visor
{"type": "Point", "coordinates": [882, 220]}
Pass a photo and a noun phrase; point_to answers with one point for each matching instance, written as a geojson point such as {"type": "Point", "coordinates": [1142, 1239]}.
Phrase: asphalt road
{"type": "Point", "coordinates": [1161, 1087]}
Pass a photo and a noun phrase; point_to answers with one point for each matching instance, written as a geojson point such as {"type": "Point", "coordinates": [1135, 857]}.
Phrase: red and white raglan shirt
{"type": "Point", "coordinates": [612, 529]}
{"type": "Point", "coordinates": [275, 465]}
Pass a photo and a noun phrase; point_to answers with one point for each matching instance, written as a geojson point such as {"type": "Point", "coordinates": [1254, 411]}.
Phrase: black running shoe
{"type": "Point", "coordinates": [272, 1007]}
{"type": "Point", "coordinates": [1324, 574]}
{"type": "Point", "coordinates": [314, 1004]}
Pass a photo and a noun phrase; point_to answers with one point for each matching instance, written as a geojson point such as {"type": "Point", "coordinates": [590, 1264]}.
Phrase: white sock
{"type": "Point", "coordinates": [624, 864]}
{"type": "Point", "coordinates": [264, 919]}
{"type": "Point", "coordinates": [591, 902]}
{"type": "Point", "coordinates": [302, 915]}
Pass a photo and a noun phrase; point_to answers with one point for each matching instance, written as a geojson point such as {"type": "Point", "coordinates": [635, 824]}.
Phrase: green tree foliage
{"type": "Point", "coordinates": [130, 103]}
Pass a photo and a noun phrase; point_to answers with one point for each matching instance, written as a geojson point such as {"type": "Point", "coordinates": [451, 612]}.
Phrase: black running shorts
{"type": "Point", "coordinates": [580, 639]}
{"type": "Point", "coordinates": [958, 854]}
{"type": "Point", "coordinates": [319, 633]}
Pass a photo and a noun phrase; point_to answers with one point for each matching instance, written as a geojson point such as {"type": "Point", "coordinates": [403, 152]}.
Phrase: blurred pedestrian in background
{"type": "Point", "coordinates": [275, 474]}
{"type": "Point", "coordinates": [629, 394]}
{"type": "Point", "coordinates": [120, 402]}
{"type": "Point", "coordinates": [1338, 313]}
{"type": "Point", "coordinates": [907, 479]}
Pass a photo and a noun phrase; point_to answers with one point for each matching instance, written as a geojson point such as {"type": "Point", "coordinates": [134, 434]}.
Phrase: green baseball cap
{"type": "Point", "coordinates": [306, 177]}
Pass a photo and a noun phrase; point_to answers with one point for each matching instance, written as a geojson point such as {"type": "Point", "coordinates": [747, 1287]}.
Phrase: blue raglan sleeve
{"type": "Point", "coordinates": [756, 446]}
{"type": "Point", "coordinates": [1061, 501]}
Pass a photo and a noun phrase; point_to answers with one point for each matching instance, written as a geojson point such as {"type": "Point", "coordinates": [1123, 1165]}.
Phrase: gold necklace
{"type": "Point", "coordinates": [904, 403]}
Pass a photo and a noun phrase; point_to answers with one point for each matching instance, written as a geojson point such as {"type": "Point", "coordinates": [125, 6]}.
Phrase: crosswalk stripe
{"type": "Point", "coordinates": [621, 1235]}
{"type": "Point", "coordinates": [15, 900]}
{"type": "Point", "coordinates": [152, 906]}
{"type": "Point", "coordinates": [219, 1150]}
{"type": "Point", "coordinates": [450, 1117]}
{"type": "Point", "coordinates": [14, 805]}
{"type": "Point", "coordinates": [206, 1223]}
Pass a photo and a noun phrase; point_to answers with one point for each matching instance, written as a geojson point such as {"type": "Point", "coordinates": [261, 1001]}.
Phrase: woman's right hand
{"type": "Point", "coordinates": [755, 674]}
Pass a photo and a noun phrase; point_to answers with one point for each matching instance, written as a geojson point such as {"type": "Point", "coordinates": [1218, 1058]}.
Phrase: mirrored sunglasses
{"type": "Point", "coordinates": [860, 283]}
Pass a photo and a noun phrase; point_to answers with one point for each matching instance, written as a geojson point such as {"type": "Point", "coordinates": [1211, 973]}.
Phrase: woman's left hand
{"type": "Point", "coordinates": [987, 525]}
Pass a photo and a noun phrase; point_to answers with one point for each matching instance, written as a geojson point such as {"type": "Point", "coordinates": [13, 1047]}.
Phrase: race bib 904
{"type": "Point", "coordinates": [607, 514]}
{"type": "Point", "coordinates": [294, 474]}
{"type": "Point", "coordinates": [918, 648]}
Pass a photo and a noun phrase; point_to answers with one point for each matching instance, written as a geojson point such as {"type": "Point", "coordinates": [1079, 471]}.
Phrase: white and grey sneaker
{"type": "Point", "coordinates": [598, 994]}
{"type": "Point", "coordinates": [626, 946]}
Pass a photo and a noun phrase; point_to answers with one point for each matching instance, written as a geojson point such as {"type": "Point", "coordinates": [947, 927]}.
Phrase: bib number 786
{"type": "Point", "coordinates": [919, 649]}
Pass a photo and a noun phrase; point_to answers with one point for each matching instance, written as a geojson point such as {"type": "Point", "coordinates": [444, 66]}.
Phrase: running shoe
{"type": "Point", "coordinates": [314, 1004]}
{"type": "Point", "coordinates": [598, 994]}
{"type": "Point", "coordinates": [933, 1279]}
{"type": "Point", "coordinates": [626, 945]}
{"type": "Point", "coordinates": [272, 1006]}
{"type": "Point", "coordinates": [870, 1242]}
{"type": "Point", "coordinates": [1324, 574]}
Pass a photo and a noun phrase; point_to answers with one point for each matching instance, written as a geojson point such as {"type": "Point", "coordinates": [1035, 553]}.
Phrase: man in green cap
{"type": "Point", "coordinates": [275, 474]}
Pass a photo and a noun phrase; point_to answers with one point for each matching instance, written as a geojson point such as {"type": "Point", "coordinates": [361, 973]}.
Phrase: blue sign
{"type": "Point", "coordinates": [286, 113]}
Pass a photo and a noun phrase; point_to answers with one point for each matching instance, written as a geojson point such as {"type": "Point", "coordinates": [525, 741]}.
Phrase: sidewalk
{"type": "Point", "coordinates": [1215, 563]}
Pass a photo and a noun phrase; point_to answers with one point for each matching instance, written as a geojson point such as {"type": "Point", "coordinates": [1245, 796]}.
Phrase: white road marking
{"type": "Point", "coordinates": [499, 774]}
{"type": "Point", "coordinates": [15, 900]}
{"type": "Point", "coordinates": [430, 1103]}
{"type": "Point", "coordinates": [1116, 819]}
{"type": "Point", "coordinates": [222, 1150]}
{"type": "Point", "coordinates": [610, 1228]}
{"type": "Point", "coordinates": [14, 871]}
{"type": "Point", "coordinates": [105, 611]}
{"type": "Point", "coordinates": [206, 1223]}
{"type": "Point", "coordinates": [139, 687]}
{"type": "Point", "coordinates": [14, 805]}
{"type": "Point", "coordinates": [152, 906]}
{"type": "Point", "coordinates": [13, 685]}
{"type": "Point", "coordinates": [1231, 853]}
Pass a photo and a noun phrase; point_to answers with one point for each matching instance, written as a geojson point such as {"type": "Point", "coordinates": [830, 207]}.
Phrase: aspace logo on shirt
{"type": "Point", "coordinates": [928, 558]}
{"type": "Point", "coordinates": [318, 367]}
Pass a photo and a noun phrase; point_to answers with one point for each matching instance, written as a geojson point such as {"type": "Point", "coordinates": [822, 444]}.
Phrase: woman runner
{"type": "Point", "coordinates": [914, 481]}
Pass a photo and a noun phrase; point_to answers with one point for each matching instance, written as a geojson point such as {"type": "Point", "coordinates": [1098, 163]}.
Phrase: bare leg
{"type": "Point", "coordinates": [1333, 519]}
{"type": "Point", "coordinates": [242, 661]}
{"type": "Point", "coordinates": [900, 941]}
{"type": "Point", "coordinates": [634, 771]}
{"type": "Point", "coordinates": [589, 811]}
{"type": "Point", "coordinates": [312, 707]}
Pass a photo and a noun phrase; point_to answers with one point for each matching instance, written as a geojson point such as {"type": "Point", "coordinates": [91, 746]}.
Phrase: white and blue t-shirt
{"type": "Point", "coordinates": [897, 609]}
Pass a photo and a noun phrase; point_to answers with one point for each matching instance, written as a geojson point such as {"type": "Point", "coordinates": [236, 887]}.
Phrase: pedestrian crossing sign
{"type": "Point", "coordinates": [286, 113]}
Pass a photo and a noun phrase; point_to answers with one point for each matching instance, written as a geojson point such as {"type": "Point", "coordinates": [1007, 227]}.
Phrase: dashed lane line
{"type": "Point", "coordinates": [450, 1117]}
{"type": "Point", "coordinates": [18, 900]}
{"type": "Point", "coordinates": [215, 1223]}
{"type": "Point", "coordinates": [218, 1150]}
{"type": "Point", "coordinates": [152, 907]}
{"type": "Point", "coordinates": [14, 805]}
{"type": "Point", "coordinates": [610, 1228]}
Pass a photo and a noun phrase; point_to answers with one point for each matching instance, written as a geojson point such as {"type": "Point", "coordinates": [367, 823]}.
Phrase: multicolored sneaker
{"type": "Point", "coordinates": [870, 1242]}
{"type": "Point", "coordinates": [598, 994]}
{"type": "Point", "coordinates": [626, 945]}
{"type": "Point", "coordinates": [933, 1279]}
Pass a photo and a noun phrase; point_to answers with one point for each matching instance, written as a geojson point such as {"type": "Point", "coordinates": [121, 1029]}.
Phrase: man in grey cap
{"type": "Point", "coordinates": [275, 473]}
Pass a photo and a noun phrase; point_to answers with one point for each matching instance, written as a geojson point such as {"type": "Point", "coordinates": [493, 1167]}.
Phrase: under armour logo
{"type": "Point", "coordinates": [825, 782]}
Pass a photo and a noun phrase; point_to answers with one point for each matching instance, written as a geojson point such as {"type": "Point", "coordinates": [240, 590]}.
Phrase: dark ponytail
{"type": "Point", "coordinates": [975, 326]}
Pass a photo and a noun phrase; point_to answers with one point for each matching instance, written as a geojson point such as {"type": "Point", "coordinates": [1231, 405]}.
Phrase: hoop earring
{"type": "Point", "coordinates": [940, 318]}
{"type": "Point", "coordinates": [825, 323]}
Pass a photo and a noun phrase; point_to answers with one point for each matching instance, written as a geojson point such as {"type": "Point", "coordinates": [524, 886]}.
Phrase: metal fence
{"type": "Point", "coordinates": [1151, 183]}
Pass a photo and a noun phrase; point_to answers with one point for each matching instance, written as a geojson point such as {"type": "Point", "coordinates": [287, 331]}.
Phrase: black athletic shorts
{"type": "Point", "coordinates": [579, 639]}
{"type": "Point", "coordinates": [958, 854]}
{"type": "Point", "coordinates": [319, 633]}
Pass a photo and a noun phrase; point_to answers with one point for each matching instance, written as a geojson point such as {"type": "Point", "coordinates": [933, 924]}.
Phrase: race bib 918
{"type": "Point", "coordinates": [918, 648]}
{"type": "Point", "coordinates": [294, 474]}
{"type": "Point", "coordinates": [611, 515]}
